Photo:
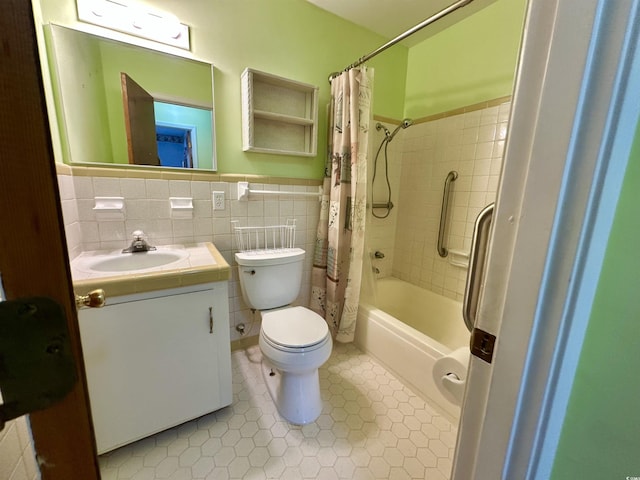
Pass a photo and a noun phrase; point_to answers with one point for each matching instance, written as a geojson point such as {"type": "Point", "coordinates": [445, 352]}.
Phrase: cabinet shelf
{"type": "Point", "coordinates": [279, 116]}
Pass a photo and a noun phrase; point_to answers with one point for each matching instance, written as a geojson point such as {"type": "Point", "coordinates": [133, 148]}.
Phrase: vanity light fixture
{"type": "Point", "coordinates": [135, 19]}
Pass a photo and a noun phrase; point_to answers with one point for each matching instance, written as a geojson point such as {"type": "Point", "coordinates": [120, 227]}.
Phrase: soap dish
{"type": "Point", "coordinates": [458, 258]}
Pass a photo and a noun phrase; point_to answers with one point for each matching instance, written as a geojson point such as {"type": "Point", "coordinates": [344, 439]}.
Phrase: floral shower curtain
{"type": "Point", "coordinates": [337, 263]}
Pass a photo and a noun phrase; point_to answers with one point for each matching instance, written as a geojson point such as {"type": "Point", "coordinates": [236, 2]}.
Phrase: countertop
{"type": "Point", "coordinates": [203, 264]}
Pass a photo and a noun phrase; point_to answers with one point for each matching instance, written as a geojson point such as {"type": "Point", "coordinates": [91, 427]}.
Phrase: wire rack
{"type": "Point", "coordinates": [272, 238]}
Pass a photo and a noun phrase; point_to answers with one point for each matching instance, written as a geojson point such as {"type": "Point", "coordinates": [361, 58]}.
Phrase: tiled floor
{"type": "Point", "coordinates": [371, 427]}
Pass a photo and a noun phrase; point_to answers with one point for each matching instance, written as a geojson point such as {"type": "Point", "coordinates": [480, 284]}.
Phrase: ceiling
{"type": "Point", "coordinates": [390, 18]}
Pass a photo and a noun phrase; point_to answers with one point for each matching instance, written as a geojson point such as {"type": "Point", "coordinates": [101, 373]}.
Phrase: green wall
{"type": "Point", "coordinates": [467, 63]}
{"type": "Point", "coordinates": [600, 438]}
{"type": "Point", "coordinates": [290, 38]}
{"type": "Point", "coordinates": [470, 62]}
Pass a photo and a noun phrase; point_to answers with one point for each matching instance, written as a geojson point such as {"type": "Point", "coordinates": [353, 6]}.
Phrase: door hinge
{"type": "Point", "coordinates": [482, 344]}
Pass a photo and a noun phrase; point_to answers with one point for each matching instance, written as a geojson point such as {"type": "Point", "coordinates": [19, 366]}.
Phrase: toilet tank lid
{"type": "Point", "coordinates": [269, 257]}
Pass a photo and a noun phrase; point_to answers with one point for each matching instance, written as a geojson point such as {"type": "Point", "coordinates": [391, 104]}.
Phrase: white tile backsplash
{"type": "Point", "coordinates": [147, 208]}
{"type": "Point", "coordinates": [106, 187]}
{"type": "Point", "coordinates": [157, 189]}
{"type": "Point", "coordinates": [201, 190]}
{"type": "Point", "coordinates": [133, 188]}
{"type": "Point", "coordinates": [82, 187]}
{"type": "Point", "coordinates": [179, 188]}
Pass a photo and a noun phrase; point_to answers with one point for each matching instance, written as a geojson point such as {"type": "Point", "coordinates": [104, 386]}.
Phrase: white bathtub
{"type": "Point", "coordinates": [407, 331]}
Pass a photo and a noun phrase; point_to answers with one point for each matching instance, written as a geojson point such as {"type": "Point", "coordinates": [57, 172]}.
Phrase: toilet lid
{"type": "Point", "coordinates": [294, 327]}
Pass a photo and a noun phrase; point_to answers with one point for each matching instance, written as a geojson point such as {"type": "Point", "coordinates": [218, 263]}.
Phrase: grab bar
{"type": "Point", "coordinates": [451, 176]}
{"type": "Point", "coordinates": [475, 274]}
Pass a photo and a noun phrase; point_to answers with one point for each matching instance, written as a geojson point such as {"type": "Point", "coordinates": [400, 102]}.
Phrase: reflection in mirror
{"type": "Point", "coordinates": [124, 104]}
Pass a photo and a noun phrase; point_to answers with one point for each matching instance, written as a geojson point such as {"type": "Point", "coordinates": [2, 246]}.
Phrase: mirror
{"type": "Point", "coordinates": [123, 104]}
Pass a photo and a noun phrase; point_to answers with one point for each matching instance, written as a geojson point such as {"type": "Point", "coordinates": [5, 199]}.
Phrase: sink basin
{"type": "Point", "coordinates": [125, 262]}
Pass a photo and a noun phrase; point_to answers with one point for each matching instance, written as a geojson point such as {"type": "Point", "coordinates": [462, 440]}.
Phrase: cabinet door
{"type": "Point", "coordinates": [153, 364]}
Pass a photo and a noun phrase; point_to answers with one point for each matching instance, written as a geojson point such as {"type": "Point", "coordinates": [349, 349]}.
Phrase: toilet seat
{"type": "Point", "coordinates": [294, 328]}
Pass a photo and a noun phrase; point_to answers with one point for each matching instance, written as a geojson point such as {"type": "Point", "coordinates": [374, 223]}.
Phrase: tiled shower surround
{"type": "Point", "coordinates": [471, 143]}
{"type": "Point", "coordinates": [147, 208]}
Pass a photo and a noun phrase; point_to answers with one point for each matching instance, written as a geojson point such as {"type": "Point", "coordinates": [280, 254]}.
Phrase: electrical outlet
{"type": "Point", "coordinates": [218, 200]}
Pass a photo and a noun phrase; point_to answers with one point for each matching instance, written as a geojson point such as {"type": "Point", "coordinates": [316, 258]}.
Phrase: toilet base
{"type": "Point", "coordinates": [295, 395]}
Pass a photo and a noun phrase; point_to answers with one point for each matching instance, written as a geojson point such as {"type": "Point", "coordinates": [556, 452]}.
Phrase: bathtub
{"type": "Point", "coordinates": [407, 330]}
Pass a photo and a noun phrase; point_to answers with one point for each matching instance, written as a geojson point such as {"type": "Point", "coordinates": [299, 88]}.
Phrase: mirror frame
{"type": "Point", "coordinates": [107, 143]}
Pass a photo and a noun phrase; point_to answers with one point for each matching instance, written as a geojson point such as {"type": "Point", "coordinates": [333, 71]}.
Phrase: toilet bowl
{"type": "Point", "coordinates": [294, 341]}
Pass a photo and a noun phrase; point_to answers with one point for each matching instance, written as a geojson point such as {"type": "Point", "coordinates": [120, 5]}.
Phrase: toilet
{"type": "Point", "coordinates": [294, 341]}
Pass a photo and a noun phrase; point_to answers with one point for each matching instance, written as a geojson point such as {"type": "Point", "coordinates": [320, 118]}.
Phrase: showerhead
{"type": "Point", "coordinates": [406, 123]}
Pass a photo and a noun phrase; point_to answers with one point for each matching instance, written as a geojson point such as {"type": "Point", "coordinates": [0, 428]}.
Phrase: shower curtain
{"type": "Point", "coordinates": [337, 263]}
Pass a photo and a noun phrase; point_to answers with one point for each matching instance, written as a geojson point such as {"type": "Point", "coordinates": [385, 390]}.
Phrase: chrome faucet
{"type": "Point", "coordinates": [139, 244]}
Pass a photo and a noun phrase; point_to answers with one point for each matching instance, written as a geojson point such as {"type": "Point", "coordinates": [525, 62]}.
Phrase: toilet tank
{"type": "Point", "coordinates": [270, 279]}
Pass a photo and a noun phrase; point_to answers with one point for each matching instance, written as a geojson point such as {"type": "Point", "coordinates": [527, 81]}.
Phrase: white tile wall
{"type": "Point", "coordinates": [17, 459]}
{"type": "Point", "coordinates": [147, 208]}
{"type": "Point", "coordinates": [470, 143]}
{"type": "Point", "coordinates": [419, 159]}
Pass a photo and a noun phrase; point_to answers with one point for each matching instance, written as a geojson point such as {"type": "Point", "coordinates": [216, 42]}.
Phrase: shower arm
{"type": "Point", "coordinates": [434, 18]}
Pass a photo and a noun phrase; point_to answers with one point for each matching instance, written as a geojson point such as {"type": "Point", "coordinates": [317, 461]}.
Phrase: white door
{"type": "Point", "coordinates": [575, 110]}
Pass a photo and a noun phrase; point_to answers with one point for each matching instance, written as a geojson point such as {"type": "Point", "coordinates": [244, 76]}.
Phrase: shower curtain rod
{"type": "Point", "coordinates": [442, 13]}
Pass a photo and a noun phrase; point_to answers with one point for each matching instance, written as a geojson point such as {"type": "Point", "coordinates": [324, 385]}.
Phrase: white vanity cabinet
{"type": "Point", "coordinates": [155, 360]}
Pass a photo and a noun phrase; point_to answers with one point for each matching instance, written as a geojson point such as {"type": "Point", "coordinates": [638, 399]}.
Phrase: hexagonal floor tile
{"type": "Point", "coordinates": [371, 426]}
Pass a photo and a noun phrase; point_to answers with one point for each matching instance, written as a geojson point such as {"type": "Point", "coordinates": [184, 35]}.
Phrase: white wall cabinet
{"type": "Point", "coordinates": [156, 360]}
{"type": "Point", "coordinates": [279, 115]}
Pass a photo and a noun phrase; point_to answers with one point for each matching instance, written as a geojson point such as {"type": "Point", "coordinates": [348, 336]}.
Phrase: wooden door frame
{"type": "Point", "coordinates": [33, 254]}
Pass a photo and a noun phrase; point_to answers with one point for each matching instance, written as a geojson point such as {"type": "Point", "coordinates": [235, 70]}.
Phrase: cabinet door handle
{"type": "Point", "coordinates": [210, 320]}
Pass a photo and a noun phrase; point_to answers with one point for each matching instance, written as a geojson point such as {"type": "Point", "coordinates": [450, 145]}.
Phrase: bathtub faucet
{"type": "Point", "coordinates": [378, 254]}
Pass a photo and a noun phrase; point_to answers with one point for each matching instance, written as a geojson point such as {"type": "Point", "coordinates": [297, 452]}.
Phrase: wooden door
{"type": "Point", "coordinates": [33, 254]}
{"type": "Point", "coordinates": [140, 123]}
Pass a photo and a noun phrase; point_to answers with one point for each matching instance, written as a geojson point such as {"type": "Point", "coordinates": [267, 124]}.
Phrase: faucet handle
{"type": "Point", "coordinates": [138, 234]}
